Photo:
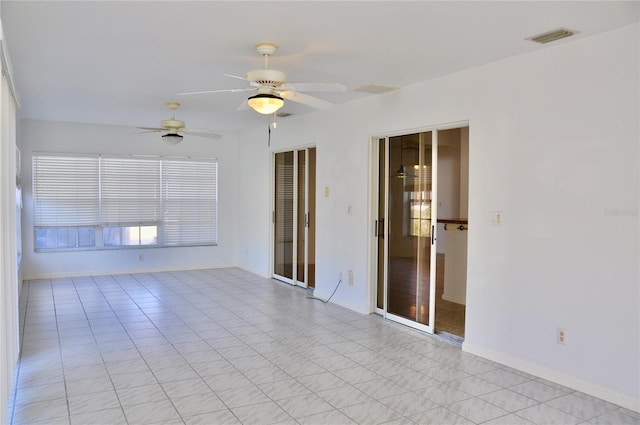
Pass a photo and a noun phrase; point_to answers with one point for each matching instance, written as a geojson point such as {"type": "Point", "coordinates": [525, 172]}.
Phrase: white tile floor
{"type": "Point", "coordinates": [225, 346]}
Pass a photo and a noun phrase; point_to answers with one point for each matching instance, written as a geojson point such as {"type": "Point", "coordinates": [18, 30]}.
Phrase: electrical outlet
{"type": "Point", "coordinates": [351, 277]}
{"type": "Point", "coordinates": [561, 336]}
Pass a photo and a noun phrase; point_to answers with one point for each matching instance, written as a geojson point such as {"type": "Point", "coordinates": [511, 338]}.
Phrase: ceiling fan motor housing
{"type": "Point", "coordinates": [172, 124]}
{"type": "Point", "coordinates": [267, 77]}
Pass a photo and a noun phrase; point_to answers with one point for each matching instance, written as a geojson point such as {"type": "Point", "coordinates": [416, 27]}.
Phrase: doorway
{"type": "Point", "coordinates": [294, 216]}
{"type": "Point", "coordinates": [421, 189]}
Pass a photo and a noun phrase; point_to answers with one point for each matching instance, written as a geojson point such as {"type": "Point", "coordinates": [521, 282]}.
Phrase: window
{"type": "Point", "coordinates": [94, 201]}
{"type": "Point", "coordinates": [189, 207]}
{"type": "Point", "coordinates": [130, 236]}
{"type": "Point", "coordinates": [419, 192]}
{"type": "Point", "coordinates": [65, 198]}
{"type": "Point", "coordinates": [419, 214]}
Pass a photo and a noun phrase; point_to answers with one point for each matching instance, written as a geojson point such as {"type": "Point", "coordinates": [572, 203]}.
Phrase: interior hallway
{"type": "Point", "coordinates": [225, 346]}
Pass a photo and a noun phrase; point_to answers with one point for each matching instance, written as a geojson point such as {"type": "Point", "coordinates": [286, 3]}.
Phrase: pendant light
{"type": "Point", "coordinates": [402, 170]}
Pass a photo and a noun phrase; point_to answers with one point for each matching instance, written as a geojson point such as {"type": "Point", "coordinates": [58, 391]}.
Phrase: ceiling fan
{"type": "Point", "coordinates": [272, 87]}
{"type": "Point", "coordinates": [174, 127]}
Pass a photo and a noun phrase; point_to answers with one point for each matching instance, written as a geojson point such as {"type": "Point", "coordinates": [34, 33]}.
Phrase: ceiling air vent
{"type": "Point", "coordinates": [550, 36]}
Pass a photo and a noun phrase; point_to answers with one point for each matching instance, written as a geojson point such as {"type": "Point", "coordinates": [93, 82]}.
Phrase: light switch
{"type": "Point", "coordinates": [496, 218]}
{"type": "Point", "coordinates": [326, 191]}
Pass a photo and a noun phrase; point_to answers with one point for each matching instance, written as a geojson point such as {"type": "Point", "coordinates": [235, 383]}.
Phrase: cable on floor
{"type": "Point", "coordinates": [334, 291]}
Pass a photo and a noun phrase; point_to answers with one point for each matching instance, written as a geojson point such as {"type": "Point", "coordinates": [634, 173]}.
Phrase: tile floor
{"type": "Point", "coordinates": [225, 346]}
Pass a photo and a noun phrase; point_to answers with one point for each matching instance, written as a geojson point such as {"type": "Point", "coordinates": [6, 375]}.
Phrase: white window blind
{"type": "Point", "coordinates": [189, 202]}
{"type": "Point", "coordinates": [174, 199]}
{"type": "Point", "coordinates": [130, 190]}
{"type": "Point", "coordinates": [65, 191]}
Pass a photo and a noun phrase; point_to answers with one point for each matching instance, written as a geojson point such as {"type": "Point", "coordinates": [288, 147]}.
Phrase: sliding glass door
{"type": "Point", "coordinates": [405, 229]}
{"type": "Point", "coordinates": [294, 217]}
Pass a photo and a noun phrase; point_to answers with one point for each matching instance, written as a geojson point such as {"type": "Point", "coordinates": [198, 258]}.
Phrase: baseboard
{"type": "Point", "coordinates": [259, 272]}
{"type": "Point", "coordinates": [61, 275]}
{"type": "Point", "coordinates": [342, 303]}
{"type": "Point", "coordinates": [453, 299]}
{"type": "Point", "coordinates": [555, 376]}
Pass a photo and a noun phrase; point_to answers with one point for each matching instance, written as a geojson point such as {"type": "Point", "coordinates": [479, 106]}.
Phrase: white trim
{"type": "Point", "coordinates": [7, 69]}
{"type": "Point", "coordinates": [433, 252]}
{"type": "Point", "coordinates": [385, 227]}
{"type": "Point", "coordinates": [295, 236]}
{"type": "Point", "coordinates": [9, 287]}
{"type": "Point", "coordinates": [372, 217]}
{"type": "Point", "coordinates": [61, 275]}
{"type": "Point", "coordinates": [283, 279]}
{"type": "Point", "coordinates": [294, 280]}
{"type": "Point", "coordinates": [410, 323]}
{"type": "Point", "coordinates": [373, 207]}
{"type": "Point", "coordinates": [554, 376]}
{"type": "Point", "coordinates": [439, 127]}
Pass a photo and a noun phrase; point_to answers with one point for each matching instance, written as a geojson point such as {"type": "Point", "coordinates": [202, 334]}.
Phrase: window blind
{"type": "Point", "coordinates": [179, 196]}
{"type": "Point", "coordinates": [189, 202]}
{"type": "Point", "coordinates": [130, 190]}
{"type": "Point", "coordinates": [65, 190]}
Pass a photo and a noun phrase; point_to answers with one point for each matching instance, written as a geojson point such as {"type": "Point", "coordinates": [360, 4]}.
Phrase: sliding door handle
{"type": "Point", "coordinates": [379, 228]}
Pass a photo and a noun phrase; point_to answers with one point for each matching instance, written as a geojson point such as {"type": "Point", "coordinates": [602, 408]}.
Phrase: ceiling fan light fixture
{"type": "Point", "coordinates": [172, 138]}
{"type": "Point", "coordinates": [265, 103]}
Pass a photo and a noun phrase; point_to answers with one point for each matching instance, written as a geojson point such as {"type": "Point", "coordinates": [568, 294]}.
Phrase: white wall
{"type": "Point", "coordinates": [83, 138]}
{"type": "Point", "coordinates": [553, 143]}
{"type": "Point", "coordinates": [9, 275]}
{"type": "Point", "coordinates": [449, 147]}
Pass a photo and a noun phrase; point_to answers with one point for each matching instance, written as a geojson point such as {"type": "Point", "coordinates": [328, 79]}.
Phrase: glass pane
{"type": "Point", "coordinates": [67, 238]}
{"type": "Point", "coordinates": [380, 223]}
{"type": "Point", "coordinates": [111, 236]}
{"type": "Point", "coordinates": [311, 230]}
{"type": "Point", "coordinates": [283, 215]}
{"type": "Point", "coordinates": [131, 235]}
{"type": "Point", "coordinates": [422, 186]}
{"type": "Point", "coordinates": [301, 213]}
{"type": "Point", "coordinates": [148, 235]}
{"type": "Point", "coordinates": [45, 238]}
{"type": "Point", "coordinates": [409, 226]}
{"type": "Point", "coordinates": [86, 237]}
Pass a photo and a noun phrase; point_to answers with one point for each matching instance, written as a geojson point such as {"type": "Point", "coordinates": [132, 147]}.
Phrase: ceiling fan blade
{"type": "Point", "coordinates": [213, 91]}
{"type": "Point", "coordinates": [304, 87]}
{"type": "Point", "coordinates": [252, 83]}
{"type": "Point", "coordinates": [150, 129]}
{"type": "Point", "coordinates": [235, 76]}
{"type": "Point", "coordinates": [305, 99]}
{"type": "Point", "coordinates": [202, 133]}
{"type": "Point", "coordinates": [243, 106]}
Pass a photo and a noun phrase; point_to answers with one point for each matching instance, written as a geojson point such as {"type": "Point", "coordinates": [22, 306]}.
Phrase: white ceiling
{"type": "Point", "coordinates": [118, 62]}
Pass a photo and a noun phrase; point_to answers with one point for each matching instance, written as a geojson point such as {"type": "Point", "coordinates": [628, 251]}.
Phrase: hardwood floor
{"type": "Point", "coordinates": [403, 294]}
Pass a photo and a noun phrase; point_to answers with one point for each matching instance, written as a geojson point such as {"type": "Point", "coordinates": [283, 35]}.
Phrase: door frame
{"type": "Point", "coordinates": [294, 280]}
{"type": "Point", "coordinates": [374, 158]}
